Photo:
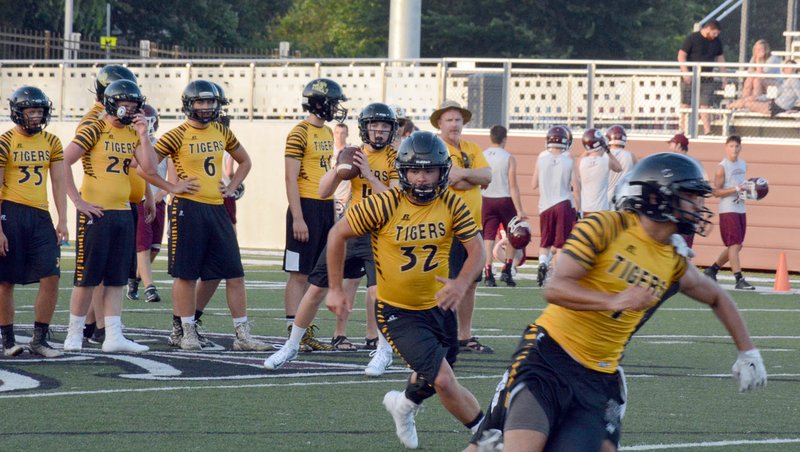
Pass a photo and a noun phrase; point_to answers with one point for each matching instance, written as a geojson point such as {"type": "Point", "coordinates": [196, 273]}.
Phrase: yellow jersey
{"type": "Point", "coordinates": [313, 147]}
{"type": "Point", "coordinates": [617, 253]}
{"type": "Point", "coordinates": [108, 153]}
{"type": "Point", "coordinates": [411, 242]}
{"type": "Point", "coordinates": [198, 153]}
{"type": "Point", "coordinates": [470, 156]}
{"type": "Point", "coordinates": [91, 116]}
{"type": "Point", "coordinates": [26, 161]}
{"type": "Point", "coordinates": [381, 163]}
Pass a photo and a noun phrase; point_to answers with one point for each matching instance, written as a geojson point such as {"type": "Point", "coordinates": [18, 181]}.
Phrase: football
{"type": "Point", "coordinates": [759, 187]}
{"type": "Point", "coordinates": [345, 167]}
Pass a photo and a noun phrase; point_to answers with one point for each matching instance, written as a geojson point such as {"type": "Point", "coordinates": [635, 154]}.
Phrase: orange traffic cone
{"type": "Point", "coordinates": [782, 276]}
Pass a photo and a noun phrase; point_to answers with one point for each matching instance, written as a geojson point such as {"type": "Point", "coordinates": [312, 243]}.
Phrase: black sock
{"type": "Point", "coordinates": [40, 325]}
{"type": "Point", "coordinates": [714, 267]}
{"type": "Point", "coordinates": [88, 329]}
{"type": "Point", "coordinates": [475, 421]}
{"type": "Point", "coordinates": [738, 276]}
{"type": "Point", "coordinates": [176, 318]}
{"type": "Point", "coordinates": [197, 314]}
{"type": "Point", "coordinates": [8, 335]}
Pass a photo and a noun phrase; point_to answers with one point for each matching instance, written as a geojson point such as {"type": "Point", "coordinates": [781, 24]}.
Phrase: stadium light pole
{"type": "Point", "coordinates": [405, 23]}
{"type": "Point", "coordinates": [67, 27]}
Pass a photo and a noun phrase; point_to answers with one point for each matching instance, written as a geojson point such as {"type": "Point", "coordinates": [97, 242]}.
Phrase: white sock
{"type": "Point", "coordinates": [383, 343]}
{"type": "Point", "coordinates": [544, 259]}
{"type": "Point", "coordinates": [76, 324]}
{"type": "Point", "coordinates": [189, 319]}
{"type": "Point", "coordinates": [296, 336]}
{"type": "Point", "coordinates": [113, 325]}
{"type": "Point", "coordinates": [239, 320]}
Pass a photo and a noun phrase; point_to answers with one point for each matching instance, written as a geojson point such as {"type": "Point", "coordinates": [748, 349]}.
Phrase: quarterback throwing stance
{"type": "Point", "coordinates": [412, 229]}
{"type": "Point", "coordinates": [563, 390]}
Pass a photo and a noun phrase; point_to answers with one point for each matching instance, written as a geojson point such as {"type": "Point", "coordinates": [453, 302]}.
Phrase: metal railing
{"type": "Point", "coordinates": [532, 95]}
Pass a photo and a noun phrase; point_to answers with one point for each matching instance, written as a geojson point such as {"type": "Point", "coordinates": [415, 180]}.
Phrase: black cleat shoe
{"type": "Point", "coordinates": [541, 274]}
{"type": "Point", "coordinates": [151, 294]}
{"type": "Point", "coordinates": [744, 285]}
{"type": "Point", "coordinates": [711, 273]}
{"type": "Point", "coordinates": [133, 289]}
{"type": "Point", "coordinates": [488, 278]}
{"type": "Point", "coordinates": [508, 279]}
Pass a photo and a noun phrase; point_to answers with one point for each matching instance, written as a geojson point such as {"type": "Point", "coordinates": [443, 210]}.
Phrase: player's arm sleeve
{"type": "Point", "coordinates": [87, 137]}
{"type": "Point", "coordinates": [592, 235]}
{"type": "Point", "coordinates": [296, 143]}
{"type": "Point", "coordinates": [371, 213]}
{"type": "Point", "coordinates": [231, 142]}
{"type": "Point", "coordinates": [56, 149]}
{"type": "Point", "coordinates": [393, 175]}
{"type": "Point", "coordinates": [168, 144]}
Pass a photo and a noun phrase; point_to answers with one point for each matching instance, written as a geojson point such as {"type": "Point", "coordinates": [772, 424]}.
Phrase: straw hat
{"type": "Point", "coordinates": [449, 105]}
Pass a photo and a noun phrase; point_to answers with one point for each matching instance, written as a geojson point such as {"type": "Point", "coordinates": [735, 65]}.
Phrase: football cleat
{"type": "Point", "coordinates": [244, 341]}
{"type": "Point", "coordinates": [133, 289]}
{"type": "Point", "coordinates": [742, 284]}
{"type": "Point", "coordinates": [506, 277]}
{"type": "Point", "coordinates": [121, 344]}
{"type": "Point", "coordinates": [711, 273]}
{"type": "Point", "coordinates": [151, 294]}
{"type": "Point", "coordinates": [309, 341]}
{"type": "Point", "coordinates": [12, 349]}
{"type": "Point", "coordinates": [281, 357]}
{"type": "Point", "coordinates": [39, 346]}
{"type": "Point", "coordinates": [541, 274]}
{"type": "Point", "coordinates": [403, 412]}
{"type": "Point", "coordinates": [190, 341]}
{"type": "Point", "coordinates": [204, 341]}
{"type": "Point", "coordinates": [488, 278]}
{"type": "Point", "coordinates": [381, 360]}
{"type": "Point", "coordinates": [73, 342]}
{"type": "Point", "coordinates": [176, 334]}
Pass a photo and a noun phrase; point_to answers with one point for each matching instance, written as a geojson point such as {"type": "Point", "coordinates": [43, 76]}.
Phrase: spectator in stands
{"type": "Point", "coordinates": [700, 46]}
{"type": "Point", "coordinates": [762, 54]}
{"type": "Point", "coordinates": [788, 95]}
{"type": "Point", "coordinates": [501, 202]}
{"type": "Point", "coordinates": [729, 182]}
{"type": "Point", "coordinates": [679, 143]}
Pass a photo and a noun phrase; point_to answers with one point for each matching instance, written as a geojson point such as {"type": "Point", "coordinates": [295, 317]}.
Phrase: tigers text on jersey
{"type": "Point", "coordinates": [108, 153]}
{"type": "Point", "coordinates": [313, 147]}
{"type": "Point", "coordinates": [381, 163]}
{"type": "Point", "coordinates": [617, 253]}
{"type": "Point", "coordinates": [411, 243]}
{"type": "Point", "coordinates": [26, 161]}
{"type": "Point", "coordinates": [470, 156]}
{"type": "Point", "coordinates": [198, 153]}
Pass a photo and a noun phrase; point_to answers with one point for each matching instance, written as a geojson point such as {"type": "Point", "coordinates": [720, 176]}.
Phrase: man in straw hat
{"type": "Point", "coordinates": [470, 171]}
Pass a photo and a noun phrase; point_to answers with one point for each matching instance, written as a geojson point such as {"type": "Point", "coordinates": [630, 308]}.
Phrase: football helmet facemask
{"type": "Point", "coordinates": [30, 97]}
{"type": "Point", "coordinates": [321, 97]}
{"type": "Point", "coordinates": [423, 150]}
{"type": "Point", "coordinates": [377, 112]}
{"type": "Point", "coordinates": [559, 137]}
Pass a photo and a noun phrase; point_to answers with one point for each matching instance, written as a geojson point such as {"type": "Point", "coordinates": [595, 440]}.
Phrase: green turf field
{"type": "Point", "coordinates": [681, 394]}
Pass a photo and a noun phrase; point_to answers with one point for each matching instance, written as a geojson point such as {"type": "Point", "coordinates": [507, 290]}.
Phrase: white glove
{"type": "Point", "coordinates": [749, 371]}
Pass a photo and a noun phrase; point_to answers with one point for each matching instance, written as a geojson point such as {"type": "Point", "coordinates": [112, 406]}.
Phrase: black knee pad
{"type": "Point", "coordinates": [419, 391]}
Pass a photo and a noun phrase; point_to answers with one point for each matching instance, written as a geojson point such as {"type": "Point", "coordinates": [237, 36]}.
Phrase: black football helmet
{"type": "Point", "coordinates": [593, 140]}
{"type": "Point", "coordinates": [29, 97]}
{"type": "Point", "coordinates": [321, 97]}
{"type": "Point", "coordinates": [123, 90]}
{"type": "Point", "coordinates": [109, 74]}
{"type": "Point", "coordinates": [559, 137]}
{"type": "Point", "coordinates": [223, 101]}
{"type": "Point", "coordinates": [201, 90]}
{"type": "Point", "coordinates": [423, 150]}
{"type": "Point", "coordinates": [376, 112]}
{"type": "Point", "coordinates": [658, 184]}
{"type": "Point", "coordinates": [616, 135]}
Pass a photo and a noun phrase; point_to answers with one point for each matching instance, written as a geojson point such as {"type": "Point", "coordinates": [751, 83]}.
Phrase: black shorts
{"type": "Point", "coordinates": [583, 407]}
{"type": "Point", "coordinates": [358, 262]}
{"type": "Point", "coordinates": [707, 89]}
{"type": "Point", "coordinates": [319, 217]}
{"type": "Point", "coordinates": [458, 255]}
{"type": "Point", "coordinates": [202, 242]}
{"type": "Point", "coordinates": [103, 249]}
{"type": "Point", "coordinates": [135, 213]}
{"type": "Point", "coordinates": [423, 338]}
{"type": "Point", "coordinates": [33, 251]}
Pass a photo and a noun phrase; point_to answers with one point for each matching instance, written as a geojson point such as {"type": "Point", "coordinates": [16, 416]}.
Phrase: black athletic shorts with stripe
{"type": "Point", "coordinates": [423, 338]}
{"type": "Point", "coordinates": [301, 257]}
{"type": "Point", "coordinates": [358, 261]}
{"type": "Point", "coordinates": [202, 242]}
{"type": "Point", "coordinates": [33, 251]}
{"type": "Point", "coordinates": [103, 248]}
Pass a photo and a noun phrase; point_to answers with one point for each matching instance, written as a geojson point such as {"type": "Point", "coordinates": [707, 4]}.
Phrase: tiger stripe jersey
{"type": "Point", "coordinates": [199, 153]}
{"type": "Point", "coordinates": [470, 156]}
{"type": "Point", "coordinates": [616, 252]}
{"type": "Point", "coordinates": [26, 163]}
{"type": "Point", "coordinates": [91, 116]}
{"type": "Point", "coordinates": [108, 153]}
{"type": "Point", "coordinates": [313, 147]}
{"type": "Point", "coordinates": [381, 163]}
{"type": "Point", "coordinates": [411, 243]}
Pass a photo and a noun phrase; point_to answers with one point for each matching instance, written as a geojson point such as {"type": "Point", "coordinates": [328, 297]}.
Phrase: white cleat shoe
{"type": "Point", "coordinates": [281, 357]}
{"type": "Point", "coordinates": [403, 412]}
{"type": "Point", "coordinates": [13, 350]}
{"type": "Point", "coordinates": [381, 360]}
{"type": "Point", "coordinates": [73, 342]}
{"type": "Point", "coordinates": [190, 340]}
{"type": "Point", "coordinates": [120, 344]}
{"type": "Point", "coordinates": [244, 341]}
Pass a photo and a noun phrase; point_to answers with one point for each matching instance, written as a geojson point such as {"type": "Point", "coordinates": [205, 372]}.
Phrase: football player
{"type": "Point", "coordinates": [309, 149]}
{"type": "Point", "coordinates": [730, 185]}
{"type": "Point", "coordinates": [107, 148]}
{"type": "Point", "coordinates": [29, 245]}
{"type": "Point", "coordinates": [615, 270]}
{"type": "Point", "coordinates": [202, 241]}
{"type": "Point", "coordinates": [592, 172]}
{"type": "Point", "coordinates": [617, 139]}
{"type": "Point", "coordinates": [469, 173]}
{"type": "Point", "coordinates": [412, 229]}
{"type": "Point", "coordinates": [377, 126]}
{"type": "Point", "coordinates": [555, 183]}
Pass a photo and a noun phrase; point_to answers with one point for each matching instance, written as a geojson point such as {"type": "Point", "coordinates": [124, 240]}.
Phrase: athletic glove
{"type": "Point", "coordinates": [749, 371]}
{"type": "Point", "coordinates": [239, 192]}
